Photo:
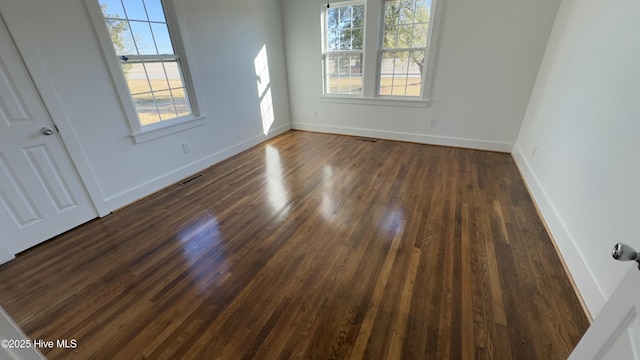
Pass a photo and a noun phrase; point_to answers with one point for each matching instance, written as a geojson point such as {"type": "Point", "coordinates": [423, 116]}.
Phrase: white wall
{"type": "Point", "coordinates": [584, 119]}
{"type": "Point", "coordinates": [224, 38]}
{"type": "Point", "coordinates": [488, 56]}
{"type": "Point", "coordinates": [9, 330]}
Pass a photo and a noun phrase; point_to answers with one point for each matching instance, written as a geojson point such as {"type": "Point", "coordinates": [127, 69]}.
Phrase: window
{"type": "Point", "coordinates": [391, 62]}
{"type": "Point", "coordinates": [146, 57]}
{"type": "Point", "coordinates": [344, 44]}
{"type": "Point", "coordinates": [143, 46]}
{"type": "Point", "coordinates": [404, 46]}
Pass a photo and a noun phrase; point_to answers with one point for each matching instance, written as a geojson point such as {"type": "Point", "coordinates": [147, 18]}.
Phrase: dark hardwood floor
{"type": "Point", "coordinates": [310, 246]}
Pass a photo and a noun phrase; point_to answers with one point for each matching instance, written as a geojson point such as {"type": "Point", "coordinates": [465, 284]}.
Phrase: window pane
{"type": "Point", "coordinates": [143, 39]}
{"type": "Point", "coordinates": [330, 65]}
{"type": "Point", "coordinates": [405, 35]}
{"type": "Point", "coordinates": [406, 13]}
{"type": "Point", "coordinates": [344, 85]}
{"type": "Point", "coordinates": [387, 73]}
{"type": "Point", "coordinates": [356, 84]}
{"type": "Point", "coordinates": [154, 10]}
{"type": "Point", "coordinates": [333, 40]}
{"type": "Point", "coordinates": [136, 78]}
{"type": "Point", "coordinates": [425, 4]}
{"type": "Point", "coordinates": [345, 39]}
{"type": "Point", "coordinates": [357, 39]}
{"type": "Point", "coordinates": [417, 62]}
{"type": "Point", "coordinates": [406, 24]}
{"type": "Point", "coordinates": [112, 9]}
{"type": "Point", "coordinates": [358, 16]}
{"type": "Point", "coordinates": [164, 100]}
{"type": "Point", "coordinates": [343, 74]}
{"type": "Point", "coordinates": [390, 40]}
{"type": "Point", "coordinates": [173, 74]}
{"type": "Point", "coordinates": [419, 35]}
{"type": "Point", "coordinates": [391, 13]}
{"type": "Point", "coordinates": [135, 10]}
{"type": "Point", "coordinates": [181, 102]}
{"type": "Point", "coordinates": [345, 17]}
{"type": "Point", "coordinates": [355, 64]}
{"type": "Point", "coordinates": [121, 37]}
{"type": "Point", "coordinates": [146, 108]}
{"type": "Point", "coordinates": [157, 77]}
{"type": "Point", "coordinates": [162, 38]}
{"type": "Point", "coordinates": [345, 28]}
{"type": "Point", "coordinates": [423, 12]}
{"type": "Point", "coordinates": [343, 65]}
{"type": "Point", "coordinates": [401, 73]}
{"type": "Point", "coordinates": [332, 18]}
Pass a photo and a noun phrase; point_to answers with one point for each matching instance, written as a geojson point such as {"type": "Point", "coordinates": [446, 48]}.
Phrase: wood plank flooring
{"type": "Point", "coordinates": [310, 246]}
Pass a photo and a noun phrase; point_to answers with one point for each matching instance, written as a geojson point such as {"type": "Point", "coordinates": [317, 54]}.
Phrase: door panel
{"type": "Point", "coordinates": [12, 109]}
{"type": "Point", "coordinates": [615, 333]}
{"type": "Point", "coordinates": [14, 198]}
{"type": "Point", "coordinates": [41, 194]}
{"type": "Point", "coordinates": [43, 164]}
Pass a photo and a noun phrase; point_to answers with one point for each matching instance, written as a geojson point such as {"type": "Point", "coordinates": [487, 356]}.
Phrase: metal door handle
{"type": "Point", "coordinates": [624, 252]}
{"type": "Point", "coordinates": [47, 131]}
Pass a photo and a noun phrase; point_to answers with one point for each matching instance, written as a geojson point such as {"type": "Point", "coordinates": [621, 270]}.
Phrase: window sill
{"type": "Point", "coordinates": [155, 131]}
{"type": "Point", "coordinates": [381, 101]}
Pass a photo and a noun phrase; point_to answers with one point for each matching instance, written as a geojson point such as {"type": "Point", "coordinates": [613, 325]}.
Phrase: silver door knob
{"type": "Point", "coordinates": [624, 252]}
{"type": "Point", "coordinates": [47, 131]}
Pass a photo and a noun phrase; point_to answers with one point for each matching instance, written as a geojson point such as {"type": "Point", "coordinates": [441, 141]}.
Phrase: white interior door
{"type": "Point", "coordinates": [41, 194]}
{"type": "Point", "coordinates": [615, 333]}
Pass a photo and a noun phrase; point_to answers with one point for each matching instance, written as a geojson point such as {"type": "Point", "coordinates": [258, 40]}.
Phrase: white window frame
{"type": "Point", "coordinates": [325, 48]}
{"type": "Point", "coordinates": [141, 133]}
{"type": "Point", "coordinates": [374, 23]}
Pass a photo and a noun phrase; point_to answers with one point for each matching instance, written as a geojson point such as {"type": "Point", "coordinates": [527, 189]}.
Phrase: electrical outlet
{"type": "Point", "coordinates": [433, 122]}
{"type": "Point", "coordinates": [186, 147]}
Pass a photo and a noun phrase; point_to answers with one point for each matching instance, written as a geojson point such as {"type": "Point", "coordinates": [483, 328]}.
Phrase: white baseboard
{"type": "Point", "coordinates": [416, 138]}
{"type": "Point", "coordinates": [591, 295]}
{"type": "Point", "coordinates": [140, 191]}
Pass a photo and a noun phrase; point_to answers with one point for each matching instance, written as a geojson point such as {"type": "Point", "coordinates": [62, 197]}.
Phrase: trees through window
{"type": "Point", "coordinates": [404, 46]}
{"type": "Point", "coordinates": [344, 27]}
